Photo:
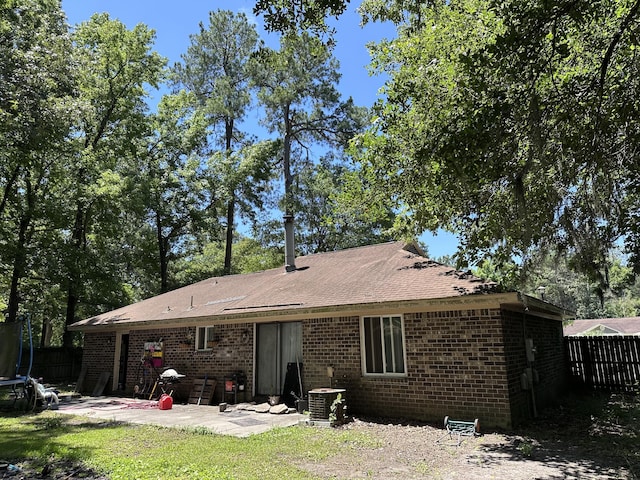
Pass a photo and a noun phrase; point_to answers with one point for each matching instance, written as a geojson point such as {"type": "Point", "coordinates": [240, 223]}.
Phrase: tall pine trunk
{"type": "Point", "coordinates": [231, 205]}
{"type": "Point", "coordinates": [162, 255]}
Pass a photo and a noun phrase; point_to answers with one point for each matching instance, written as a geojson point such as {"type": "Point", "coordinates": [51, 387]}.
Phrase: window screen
{"type": "Point", "coordinates": [383, 345]}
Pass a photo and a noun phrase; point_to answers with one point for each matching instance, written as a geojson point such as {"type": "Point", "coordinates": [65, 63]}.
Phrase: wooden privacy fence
{"type": "Point", "coordinates": [607, 362]}
{"type": "Point", "coordinates": [53, 363]}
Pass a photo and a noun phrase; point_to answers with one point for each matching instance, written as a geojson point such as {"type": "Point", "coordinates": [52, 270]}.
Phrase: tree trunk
{"type": "Point", "coordinates": [73, 276]}
{"type": "Point", "coordinates": [286, 160]}
{"type": "Point", "coordinates": [231, 205]}
{"type": "Point", "coordinates": [20, 258]}
{"type": "Point", "coordinates": [162, 255]}
{"type": "Point", "coordinates": [70, 317]}
{"type": "Point", "coordinates": [18, 271]}
{"type": "Point", "coordinates": [289, 222]}
{"type": "Point", "coordinates": [45, 337]}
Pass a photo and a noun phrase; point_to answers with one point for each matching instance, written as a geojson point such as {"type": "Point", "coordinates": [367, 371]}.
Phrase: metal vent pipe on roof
{"type": "Point", "coordinates": [289, 244]}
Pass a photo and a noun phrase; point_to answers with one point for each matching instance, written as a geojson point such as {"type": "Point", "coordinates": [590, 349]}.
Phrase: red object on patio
{"type": "Point", "coordinates": [165, 402]}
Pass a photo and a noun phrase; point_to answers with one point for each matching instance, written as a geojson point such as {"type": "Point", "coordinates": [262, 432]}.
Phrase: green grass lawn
{"type": "Point", "coordinates": [146, 452]}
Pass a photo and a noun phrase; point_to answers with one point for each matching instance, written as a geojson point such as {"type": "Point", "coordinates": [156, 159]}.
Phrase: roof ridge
{"type": "Point", "coordinates": [606, 319]}
{"type": "Point", "coordinates": [360, 247]}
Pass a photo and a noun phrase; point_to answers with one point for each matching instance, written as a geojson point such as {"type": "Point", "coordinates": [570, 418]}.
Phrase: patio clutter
{"type": "Point", "coordinates": [238, 420]}
{"type": "Point", "coordinates": [234, 385]}
{"type": "Point", "coordinates": [163, 383]}
{"type": "Point", "coordinates": [265, 407]}
{"type": "Point", "coordinates": [202, 391]}
{"type": "Point", "coordinates": [150, 382]}
{"type": "Point", "coordinates": [41, 396]}
{"type": "Point", "coordinates": [165, 402]}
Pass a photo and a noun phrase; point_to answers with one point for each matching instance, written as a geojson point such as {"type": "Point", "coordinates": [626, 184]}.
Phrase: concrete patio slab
{"type": "Point", "coordinates": [235, 420]}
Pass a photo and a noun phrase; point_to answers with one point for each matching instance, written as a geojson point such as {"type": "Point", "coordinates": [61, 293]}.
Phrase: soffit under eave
{"type": "Point", "coordinates": [540, 308]}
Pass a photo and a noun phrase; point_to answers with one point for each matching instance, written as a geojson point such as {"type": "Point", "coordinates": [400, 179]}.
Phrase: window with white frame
{"type": "Point", "coordinates": [204, 335]}
{"type": "Point", "coordinates": [383, 345]}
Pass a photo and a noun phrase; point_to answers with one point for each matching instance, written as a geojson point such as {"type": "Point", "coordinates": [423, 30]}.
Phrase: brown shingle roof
{"type": "Point", "coordinates": [623, 326]}
{"type": "Point", "coordinates": [388, 272]}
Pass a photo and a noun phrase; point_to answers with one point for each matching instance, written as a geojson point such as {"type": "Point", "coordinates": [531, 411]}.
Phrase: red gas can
{"type": "Point", "coordinates": [165, 402]}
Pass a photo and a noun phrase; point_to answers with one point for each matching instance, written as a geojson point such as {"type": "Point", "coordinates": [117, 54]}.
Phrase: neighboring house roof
{"type": "Point", "coordinates": [604, 326]}
{"type": "Point", "coordinates": [340, 281]}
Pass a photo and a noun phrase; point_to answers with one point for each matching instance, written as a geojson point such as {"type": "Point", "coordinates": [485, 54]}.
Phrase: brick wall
{"type": "Point", "coordinates": [465, 364]}
{"type": "Point", "coordinates": [233, 353]}
{"type": "Point", "coordinates": [331, 342]}
{"type": "Point", "coordinates": [549, 362]}
{"type": "Point", "coordinates": [97, 357]}
{"type": "Point", "coordinates": [455, 366]}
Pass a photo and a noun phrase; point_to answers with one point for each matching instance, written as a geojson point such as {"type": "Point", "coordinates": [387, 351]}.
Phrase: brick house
{"type": "Point", "coordinates": [405, 336]}
{"type": "Point", "coordinates": [603, 326]}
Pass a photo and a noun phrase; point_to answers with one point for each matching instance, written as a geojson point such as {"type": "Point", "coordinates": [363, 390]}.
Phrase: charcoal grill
{"type": "Point", "coordinates": [165, 380]}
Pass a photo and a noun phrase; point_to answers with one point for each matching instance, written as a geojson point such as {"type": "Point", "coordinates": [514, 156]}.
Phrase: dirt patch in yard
{"type": "Point", "coordinates": [594, 437]}
{"type": "Point", "coordinates": [55, 470]}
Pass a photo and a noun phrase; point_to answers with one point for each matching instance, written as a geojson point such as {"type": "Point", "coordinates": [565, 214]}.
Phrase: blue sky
{"type": "Point", "coordinates": [175, 21]}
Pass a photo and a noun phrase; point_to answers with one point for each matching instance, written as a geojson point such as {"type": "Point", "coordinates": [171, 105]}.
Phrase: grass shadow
{"type": "Point", "coordinates": [590, 435]}
{"type": "Point", "coordinates": [37, 436]}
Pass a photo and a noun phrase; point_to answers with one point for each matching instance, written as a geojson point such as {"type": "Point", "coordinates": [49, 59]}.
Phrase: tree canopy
{"type": "Point", "coordinates": [552, 278]}
{"type": "Point", "coordinates": [37, 111]}
{"type": "Point", "coordinates": [215, 69]}
{"type": "Point", "coordinates": [513, 125]}
{"type": "Point", "coordinates": [294, 15]}
{"type": "Point", "coordinates": [297, 87]}
{"type": "Point", "coordinates": [109, 195]}
{"type": "Point", "coordinates": [115, 65]}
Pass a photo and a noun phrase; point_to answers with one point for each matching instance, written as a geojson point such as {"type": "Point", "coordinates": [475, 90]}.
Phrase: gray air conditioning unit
{"type": "Point", "coordinates": [327, 406]}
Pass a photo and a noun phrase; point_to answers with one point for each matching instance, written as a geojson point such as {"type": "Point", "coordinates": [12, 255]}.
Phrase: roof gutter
{"type": "Point", "coordinates": [300, 312]}
{"type": "Point", "coordinates": [537, 305]}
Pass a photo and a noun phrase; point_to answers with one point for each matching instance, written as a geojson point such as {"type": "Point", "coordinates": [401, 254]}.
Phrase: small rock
{"type": "Point", "coordinates": [46, 470]}
{"type": "Point", "coordinates": [13, 470]}
{"type": "Point", "coordinates": [279, 409]}
{"type": "Point", "coordinates": [263, 408]}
